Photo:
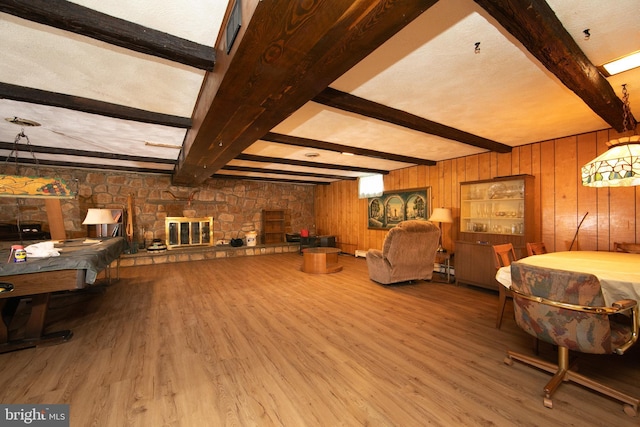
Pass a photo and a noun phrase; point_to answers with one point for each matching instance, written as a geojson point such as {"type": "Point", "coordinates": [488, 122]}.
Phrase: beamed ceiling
{"type": "Point", "coordinates": [155, 86]}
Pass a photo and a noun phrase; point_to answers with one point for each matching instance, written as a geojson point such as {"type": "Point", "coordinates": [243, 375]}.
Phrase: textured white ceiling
{"type": "Point", "coordinates": [428, 69]}
{"type": "Point", "coordinates": [431, 69]}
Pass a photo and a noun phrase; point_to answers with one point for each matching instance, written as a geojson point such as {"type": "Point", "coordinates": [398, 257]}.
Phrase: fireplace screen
{"type": "Point", "coordinates": [186, 232]}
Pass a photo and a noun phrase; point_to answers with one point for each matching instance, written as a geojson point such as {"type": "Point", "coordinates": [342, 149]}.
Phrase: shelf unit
{"type": "Point", "coordinates": [184, 232]}
{"type": "Point", "coordinates": [273, 226]}
{"type": "Point", "coordinates": [492, 211]}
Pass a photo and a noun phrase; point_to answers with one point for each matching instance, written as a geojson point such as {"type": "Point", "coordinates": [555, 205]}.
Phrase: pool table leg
{"type": "Point", "coordinates": [34, 330]}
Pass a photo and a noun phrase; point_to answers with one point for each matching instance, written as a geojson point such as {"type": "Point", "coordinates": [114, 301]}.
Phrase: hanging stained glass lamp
{"type": "Point", "coordinates": [30, 186]}
{"type": "Point", "coordinates": [619, 166]}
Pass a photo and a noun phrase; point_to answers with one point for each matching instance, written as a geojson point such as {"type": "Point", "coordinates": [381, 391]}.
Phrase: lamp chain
{"type": "Point", "coordinates": [13, 155]}
{"type": "Point", "coordinates": [14, 152]}
{"type": "Point", "coordinates": [625, 108]}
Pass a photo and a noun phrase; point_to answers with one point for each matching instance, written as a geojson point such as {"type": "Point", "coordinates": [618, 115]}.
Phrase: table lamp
{"type": "Point", "coordinates": [98, 217]}
{"type": "Point", "coordinates": [441, 215]}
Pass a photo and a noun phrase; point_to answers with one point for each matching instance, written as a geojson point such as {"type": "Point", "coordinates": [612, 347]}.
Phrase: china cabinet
{"type": "Point", "coordinates": [493, 211]}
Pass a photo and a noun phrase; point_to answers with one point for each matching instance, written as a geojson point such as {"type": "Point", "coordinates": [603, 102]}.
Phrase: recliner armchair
{"type": "Point", "coordinates": [408, 253]}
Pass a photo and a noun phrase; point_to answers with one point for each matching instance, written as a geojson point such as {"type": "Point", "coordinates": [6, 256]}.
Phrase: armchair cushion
{"type": "Point", "coordinates": [408, 253]}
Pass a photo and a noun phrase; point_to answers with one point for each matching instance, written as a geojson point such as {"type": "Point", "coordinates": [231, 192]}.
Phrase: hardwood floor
{"type": "Point", "coordinates": [254, 341]}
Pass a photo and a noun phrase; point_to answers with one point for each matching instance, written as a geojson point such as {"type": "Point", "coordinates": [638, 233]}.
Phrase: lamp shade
{"type": "Point", "coordinates": [99, 216]}
{"type": "Point", "coordinates": [441, 215]}
{"type": "Point", "coordinates": [617, 167]}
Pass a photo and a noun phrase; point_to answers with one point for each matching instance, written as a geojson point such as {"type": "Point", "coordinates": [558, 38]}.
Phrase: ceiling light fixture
{"type": "Point", "coordinates": [311, 155]}
{"type": "Point", "coordinates": [620, 65]}
{"type": "Point", "coordinates": [161, 145]}
{"type": "Point", "coordinates": [344, 153]}
{"type": "Point", "coordinates": [619, 166]}
{"type": "Point", "coordinates": [21, 122]}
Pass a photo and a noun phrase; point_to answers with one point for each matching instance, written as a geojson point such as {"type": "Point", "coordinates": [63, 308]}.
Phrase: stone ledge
{"type": "Point", "coordinates": [202, 253]}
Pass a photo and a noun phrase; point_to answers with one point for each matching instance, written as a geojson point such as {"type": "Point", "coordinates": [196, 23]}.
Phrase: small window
{"type": "Point", "coordinates": [370, 186]}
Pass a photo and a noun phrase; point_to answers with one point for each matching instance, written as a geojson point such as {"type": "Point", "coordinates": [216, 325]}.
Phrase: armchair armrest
{"type": "Point", "coordinates": [374, 253]}
{"type": "Point", "coordinates": [616, 307]}
{"type": "Point", "coordinates": [624, 304]}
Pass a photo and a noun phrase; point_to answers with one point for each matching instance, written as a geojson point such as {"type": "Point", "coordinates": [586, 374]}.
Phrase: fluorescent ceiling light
{"type": "Point", "coordinates": [159, 144]}
{"type": "Point", "coordinates": [625, 63]}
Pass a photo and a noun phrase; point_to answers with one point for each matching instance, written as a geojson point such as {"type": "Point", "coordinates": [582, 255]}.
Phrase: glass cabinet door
{"type": "Point", "coordinates": [496, 207]}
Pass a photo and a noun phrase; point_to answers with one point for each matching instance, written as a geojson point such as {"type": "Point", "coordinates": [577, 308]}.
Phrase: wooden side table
{"type": "Point", "coordinates": [444, 259]}
{"type": "Point", "coordinates": [320, 260]}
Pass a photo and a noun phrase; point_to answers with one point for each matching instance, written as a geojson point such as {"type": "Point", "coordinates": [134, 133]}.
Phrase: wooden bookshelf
{"type": "Point", "coordinates": [273, 226]}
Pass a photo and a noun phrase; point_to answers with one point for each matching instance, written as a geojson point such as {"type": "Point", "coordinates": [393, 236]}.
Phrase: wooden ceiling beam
{"type": "Point", "coordinates": [323, 145]}
{"type": "Point", "coordinates": [354, 104]}
{"type": "Point", "coordinates": [285, 53]}
{"type": "Point", "coordinates": [81, 20]}
{"type": "Point", "coordinates": [278, 160]}
{"type": "Point", "coordinates": [10, 146]}
{"type": "Point", "coordinates": [286, 172]}
{"type": "Point", "coordinates": [86, 105]}
{"type": "Point", "coordinates": [86, 165]}
{"type": "Point", "coordinates": [536, 26]}
{"type": "Point", "coordinates": [256, 178]}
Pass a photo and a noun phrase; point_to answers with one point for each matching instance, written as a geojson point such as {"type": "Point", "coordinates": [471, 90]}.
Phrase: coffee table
{"type": "Point", "coordinates": [320, 260]}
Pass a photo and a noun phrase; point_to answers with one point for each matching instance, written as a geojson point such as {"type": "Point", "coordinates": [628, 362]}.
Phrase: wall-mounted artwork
{"type": "Point", "coordinates": [393, 207]}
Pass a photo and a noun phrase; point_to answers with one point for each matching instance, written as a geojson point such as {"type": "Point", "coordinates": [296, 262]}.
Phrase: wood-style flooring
{"type": "Point", "coordinates": [253, 341]}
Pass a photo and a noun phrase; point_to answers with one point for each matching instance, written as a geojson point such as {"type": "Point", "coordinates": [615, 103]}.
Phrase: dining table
{"type": "Point", "coordinates": [618, 272]}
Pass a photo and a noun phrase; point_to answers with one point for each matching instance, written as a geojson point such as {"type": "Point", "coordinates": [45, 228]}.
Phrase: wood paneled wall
{"type": "Point", "coordinates": [561, 200]}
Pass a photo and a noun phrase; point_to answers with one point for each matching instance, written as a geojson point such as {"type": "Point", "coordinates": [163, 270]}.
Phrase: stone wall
{"type": "Point", "coordinates": [236, 205]}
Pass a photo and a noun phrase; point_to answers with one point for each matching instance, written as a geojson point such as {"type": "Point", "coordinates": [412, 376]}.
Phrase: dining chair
{"type": "Point", "coordinates": [536, 248]}
{"type": "Point", "coordinates": [567, 309]}
{"type": "Point", "coordinates": [504, 256]}
{"type": "Point", "coordinates": [633, 248]}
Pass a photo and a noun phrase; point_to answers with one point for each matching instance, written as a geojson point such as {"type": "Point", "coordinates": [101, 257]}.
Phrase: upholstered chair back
{"type": "Point", "coordinates": [409, 242]}
{"type": "Point", "coordinates": [408, 253]}
{"type": "Point", "coordinates": [575, 330]}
